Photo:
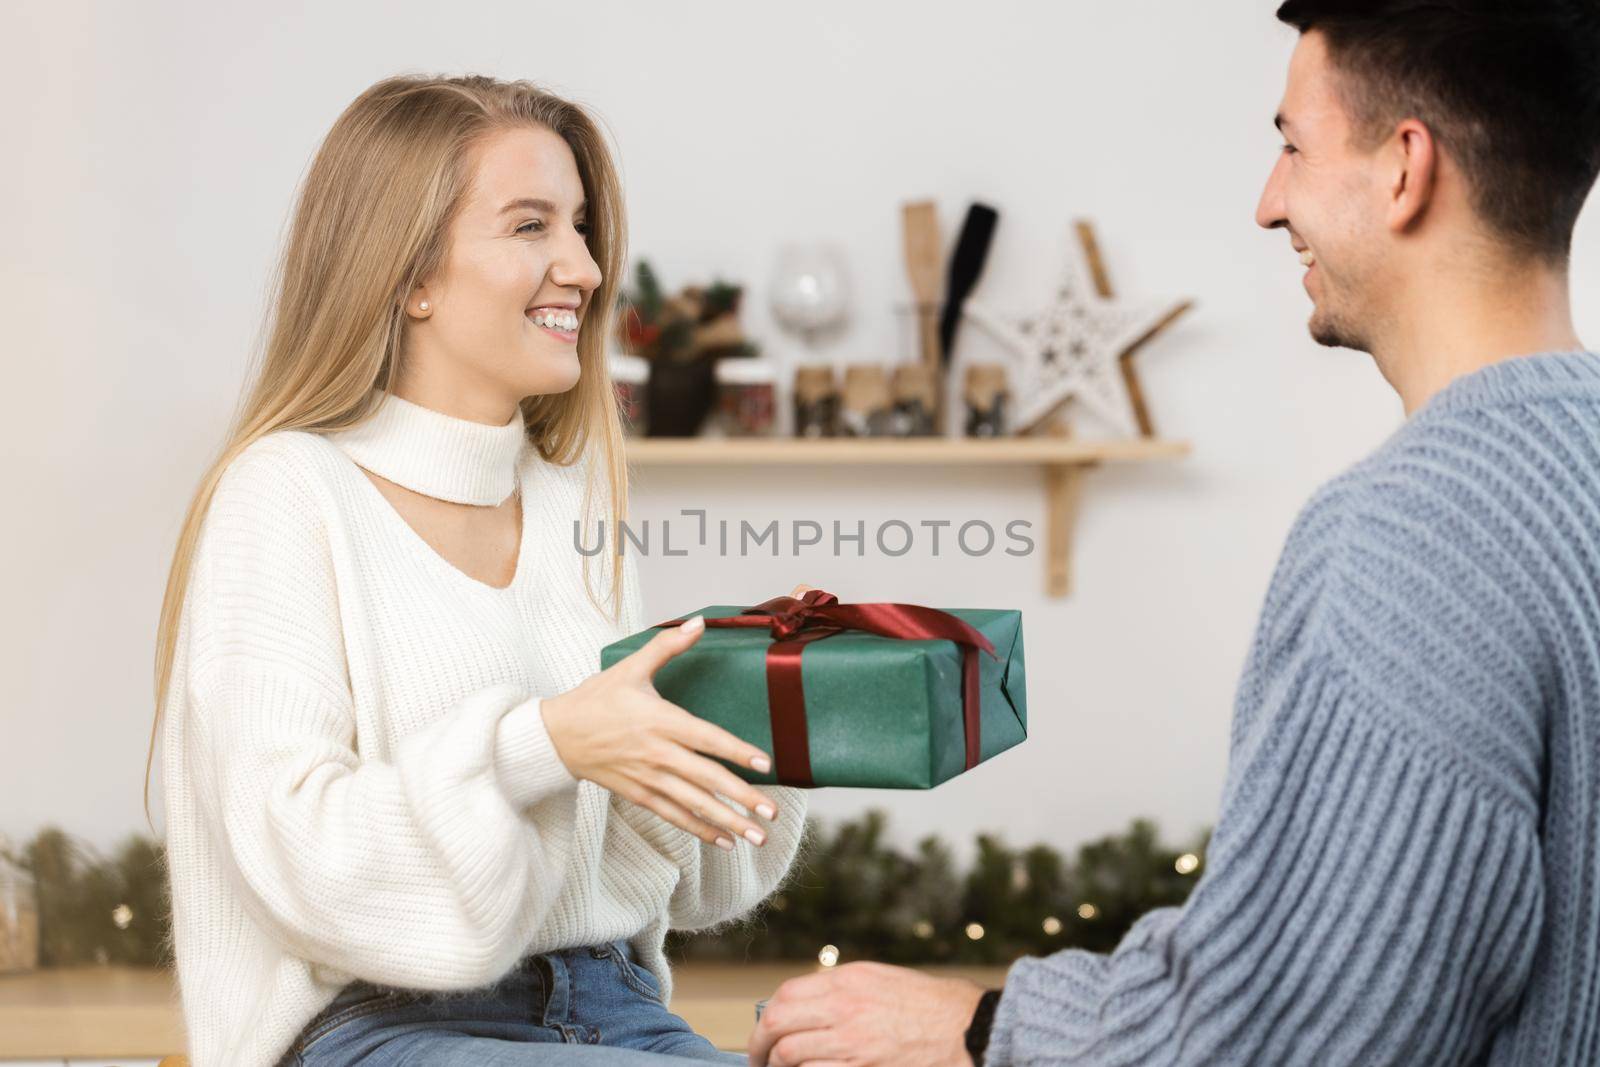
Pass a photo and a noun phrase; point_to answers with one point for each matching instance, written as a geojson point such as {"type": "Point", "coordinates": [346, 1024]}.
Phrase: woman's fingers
{"type": "Point", "coordinates": [684, 790]}
{"type": "Point", "coordinates": [714, 778]}
{"type": "Point", "coordinates": [711, 739]}
{"type": "Point", "coordinates": [663, 646]}
{"type": "Point", "coordinates": [683, 818]}
{"type": "Point", "coordinates": [706, 806]}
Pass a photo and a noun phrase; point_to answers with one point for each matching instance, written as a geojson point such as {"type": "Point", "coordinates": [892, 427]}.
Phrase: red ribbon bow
{"type": "Point", "coordinates": [795, 623]}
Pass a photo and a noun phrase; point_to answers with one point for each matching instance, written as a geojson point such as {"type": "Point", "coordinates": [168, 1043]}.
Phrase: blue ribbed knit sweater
{"type": "Point", "coordinates": [1404, 867]}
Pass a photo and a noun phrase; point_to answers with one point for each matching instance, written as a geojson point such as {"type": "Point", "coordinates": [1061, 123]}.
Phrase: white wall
{"type": "Point", "coordinates": [154, 154]}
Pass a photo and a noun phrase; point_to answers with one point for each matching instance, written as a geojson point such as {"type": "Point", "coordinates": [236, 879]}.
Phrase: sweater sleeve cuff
{"type": "Point", "coordinates": [999, 1051]}
{"type": "Point", "coordinates": [525, 759]}
{"type": "Point", "coordinates": [1046, 1002]}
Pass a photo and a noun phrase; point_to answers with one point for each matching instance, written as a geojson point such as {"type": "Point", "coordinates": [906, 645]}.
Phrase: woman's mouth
{"type": "Point", "coordinates": [559, 322]}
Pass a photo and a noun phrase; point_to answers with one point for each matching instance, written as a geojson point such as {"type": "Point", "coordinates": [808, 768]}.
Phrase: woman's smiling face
{"type": "Point", "coordinates": [517, 277]}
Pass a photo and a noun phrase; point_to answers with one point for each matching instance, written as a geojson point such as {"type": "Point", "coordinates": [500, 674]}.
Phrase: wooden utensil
{"type": "Point", "coordinates": [924, 267]}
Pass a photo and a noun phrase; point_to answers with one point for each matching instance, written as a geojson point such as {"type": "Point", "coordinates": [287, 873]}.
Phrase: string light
{"type": "Point", "coordinates": [122, 916]}
{"type": "Point", "coordinates": [975, 931]}
{"type": "Point", "coordinates": [1052, 925]}
{"type": "Point", "coordinates": [1187, 863]}
{"type": "Point", "coordinates": [923, 929]}
{"type": "Point", "coordinates": [828, 956]}
{"type": "Point", "coordinates": [1087, 911]}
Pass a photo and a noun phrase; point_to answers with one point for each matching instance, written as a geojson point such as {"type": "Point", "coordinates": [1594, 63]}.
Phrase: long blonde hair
{"type": "Point", "coordinates": [370, 224]}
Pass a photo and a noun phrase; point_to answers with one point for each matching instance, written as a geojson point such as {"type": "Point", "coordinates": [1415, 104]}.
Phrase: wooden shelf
{"type": "Point", "coordinates": [1063, 461]}
{"type": "Point", "coordinates": [707, 451]}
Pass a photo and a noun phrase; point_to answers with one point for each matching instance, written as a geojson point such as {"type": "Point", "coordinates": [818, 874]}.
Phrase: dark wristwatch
{"type": "Point", "coordinates": [978, 1030]}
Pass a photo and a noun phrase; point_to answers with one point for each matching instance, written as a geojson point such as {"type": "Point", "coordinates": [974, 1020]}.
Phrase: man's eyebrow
{"type": "Point", "coordinates": [533, 204]}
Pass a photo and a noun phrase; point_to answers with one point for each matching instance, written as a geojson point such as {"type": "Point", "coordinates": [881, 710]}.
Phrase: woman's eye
{"type": "Point", "coordinates": [581, 227]}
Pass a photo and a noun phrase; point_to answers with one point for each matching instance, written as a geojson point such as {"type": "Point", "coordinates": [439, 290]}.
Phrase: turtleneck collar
{"type": "Point", "coordinates": [436, 454]}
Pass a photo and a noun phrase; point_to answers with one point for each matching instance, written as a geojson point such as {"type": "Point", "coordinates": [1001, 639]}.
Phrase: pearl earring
{"type": "Point", "coordinates": [423, 306]}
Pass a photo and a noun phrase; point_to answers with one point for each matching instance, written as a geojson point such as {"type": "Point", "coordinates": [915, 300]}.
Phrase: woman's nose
{"type": "Point", "coordinates": [574, 267]}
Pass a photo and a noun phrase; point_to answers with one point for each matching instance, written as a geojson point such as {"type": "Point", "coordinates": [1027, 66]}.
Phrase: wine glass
{"type": "Point", "coordinates": [809, 294]}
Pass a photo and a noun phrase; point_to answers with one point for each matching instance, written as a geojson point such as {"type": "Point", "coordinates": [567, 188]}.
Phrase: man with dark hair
{"type": "Point", "coordinates": [1436, 156]}
{"type": "Point", "coordinates": [1406, 866]}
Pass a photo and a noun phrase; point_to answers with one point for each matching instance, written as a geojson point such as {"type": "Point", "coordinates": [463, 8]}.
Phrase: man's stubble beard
{"type": "Point", "coordinates": [1332, 334]}
{"type": "Point", "coordinates": [1333, 324]}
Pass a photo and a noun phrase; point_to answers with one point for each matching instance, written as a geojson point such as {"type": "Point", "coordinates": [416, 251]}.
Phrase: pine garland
{"type": "Point", "coordinates": [849, 892]}
{"type": "Point", "coordinates": [852, 897]}
{"type": "Point", "coordinates": [97, 910]}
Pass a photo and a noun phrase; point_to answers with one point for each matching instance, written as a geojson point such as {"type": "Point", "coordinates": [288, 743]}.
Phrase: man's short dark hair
{"type": "Point", "coordinates": [1510, 88]}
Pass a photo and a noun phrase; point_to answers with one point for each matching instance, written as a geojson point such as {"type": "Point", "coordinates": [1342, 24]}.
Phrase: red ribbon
{"type": "Point", "coordinates": [796, 623]}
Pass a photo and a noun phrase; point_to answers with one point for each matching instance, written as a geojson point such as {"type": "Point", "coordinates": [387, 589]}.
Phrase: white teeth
{"type": "Point", "coordinates": [1307, 258]}
{"type": "Point", "coordinates": [555, 319]}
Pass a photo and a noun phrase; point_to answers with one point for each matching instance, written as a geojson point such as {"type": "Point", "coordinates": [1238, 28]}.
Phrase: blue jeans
{"type": "Point", "coordinates": [588, 1007]}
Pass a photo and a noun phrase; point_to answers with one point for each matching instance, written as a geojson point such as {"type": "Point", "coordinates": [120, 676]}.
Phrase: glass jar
{"type": "Point", "coordinates": [916, 400]}
{"type": "Point", "coordinates": [747, 390]}
{"type": "Point", "coordinates": [816, 401]}
{"type": "Point", "coordinates": [629, 376]}
{"type": "Point", "coordinates": [987, 399]}
{"type": "Point", "coordinates": [866, 408]}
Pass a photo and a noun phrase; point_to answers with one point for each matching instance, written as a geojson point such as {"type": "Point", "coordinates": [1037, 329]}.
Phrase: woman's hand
{"type": "Point", "coordinates": [615, 730]}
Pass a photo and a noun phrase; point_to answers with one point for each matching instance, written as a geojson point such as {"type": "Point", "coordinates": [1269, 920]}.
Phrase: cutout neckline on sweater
{"type": "Point", "coordinates": [523, 553]}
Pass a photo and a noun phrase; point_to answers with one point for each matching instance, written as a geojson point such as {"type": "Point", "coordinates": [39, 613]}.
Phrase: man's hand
{"type": "Point", "coordinates": [866, 1015]}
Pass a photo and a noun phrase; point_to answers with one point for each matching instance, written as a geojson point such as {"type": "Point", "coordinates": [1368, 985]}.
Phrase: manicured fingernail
{"type": "Point", "coordinates": [754, 836]}
{"type": "Point", "coordinates": [724, 843]}
{"type": "Point", "coordinates": [695, 625]}
{"type": "Point", "coordinates": [767, 811]}
{"type": "Point", "coordinates": [761, 763]}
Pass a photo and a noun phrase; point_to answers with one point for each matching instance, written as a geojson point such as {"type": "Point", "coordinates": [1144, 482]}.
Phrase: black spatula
{"type": "Point", "coordinates": [966, 263]}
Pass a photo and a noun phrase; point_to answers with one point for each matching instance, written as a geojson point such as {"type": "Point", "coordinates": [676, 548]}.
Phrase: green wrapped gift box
{"type": "Point", "coordinates": [870, 710]}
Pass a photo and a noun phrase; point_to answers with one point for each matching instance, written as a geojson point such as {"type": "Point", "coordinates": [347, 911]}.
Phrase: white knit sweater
{"type": "Point", "coordinates": [357, 777]}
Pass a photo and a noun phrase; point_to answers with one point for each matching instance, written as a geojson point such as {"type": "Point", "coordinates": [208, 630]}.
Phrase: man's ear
{"type": "Point", "coordinates": [1413, 174]}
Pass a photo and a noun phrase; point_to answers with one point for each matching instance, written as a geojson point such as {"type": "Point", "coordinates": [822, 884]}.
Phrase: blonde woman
{"type": "Point", "coordinates": [407, 819]}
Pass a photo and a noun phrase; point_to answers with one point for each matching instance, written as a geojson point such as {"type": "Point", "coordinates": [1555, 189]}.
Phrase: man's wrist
{"type": "Point", "coordinates": [978, 1029]}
